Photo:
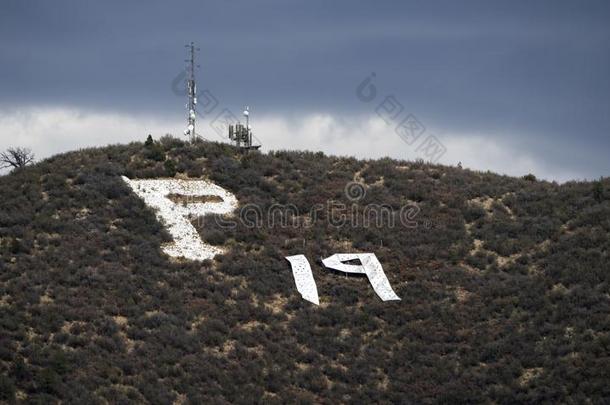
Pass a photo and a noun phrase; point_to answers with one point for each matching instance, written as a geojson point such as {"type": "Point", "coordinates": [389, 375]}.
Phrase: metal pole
{"type": "Point", "coordinates": [191, 90]}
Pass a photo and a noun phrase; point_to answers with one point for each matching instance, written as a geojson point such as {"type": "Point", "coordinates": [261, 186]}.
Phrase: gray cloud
{"type": "Point", "coordinates": [532, 74]}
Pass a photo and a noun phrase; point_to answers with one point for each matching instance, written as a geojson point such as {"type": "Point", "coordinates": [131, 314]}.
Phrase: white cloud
{"type": "Point", "coordinates": [50, 130]}
{"type": "Point", "coordinates": [367, 137]}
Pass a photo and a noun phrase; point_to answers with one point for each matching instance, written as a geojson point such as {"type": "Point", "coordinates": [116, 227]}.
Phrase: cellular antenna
{"type": "Point", "coordinates": [242, 135]}
{"type": "Point", "coordinates": [191, 91]}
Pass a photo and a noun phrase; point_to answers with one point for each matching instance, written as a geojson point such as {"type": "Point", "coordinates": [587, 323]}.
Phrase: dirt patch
{"type": "Point", "coordinates": [461, 294]}
{"type": "Point", "coordinates": [194, 199]}
{"type": "Point", "coordinates": [528, 375]}
{"type": "Point", "coordinates": [121, 321]}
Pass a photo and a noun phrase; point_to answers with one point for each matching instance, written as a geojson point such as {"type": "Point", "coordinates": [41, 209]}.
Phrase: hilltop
{"type": "Point", "coordinates": [504, 282]}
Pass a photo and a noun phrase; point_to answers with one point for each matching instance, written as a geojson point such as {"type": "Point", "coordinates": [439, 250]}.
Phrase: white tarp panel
{"type": "Point", "coordinates": [303, 277]}
{"type": "Point", "coordinates": [370, 266]}
{"type": "Point", "coordinates": [175, 217]}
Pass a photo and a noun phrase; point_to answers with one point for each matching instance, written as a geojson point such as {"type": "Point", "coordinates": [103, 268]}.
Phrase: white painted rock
{"type": "Point", "coordinates": [187, 242]}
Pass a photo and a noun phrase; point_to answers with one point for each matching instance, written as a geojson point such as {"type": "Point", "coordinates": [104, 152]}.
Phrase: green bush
{"type": "Point", "coordinates": [529, 177]}
{"type": "Point", "coordinates": [170, 168]}
{"type": "Point", "coordinates": [7, 389]}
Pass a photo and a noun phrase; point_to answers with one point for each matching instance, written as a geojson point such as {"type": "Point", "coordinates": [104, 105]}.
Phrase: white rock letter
{"type": "Point", "coordinates": [187, 242]}
{"type": "Point", "coordinates": [303, 278]}
{"type": "Point", "coordinates": [370, 266]}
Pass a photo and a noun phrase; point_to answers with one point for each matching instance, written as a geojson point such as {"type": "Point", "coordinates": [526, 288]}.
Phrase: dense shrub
{"type": "Point", "coordinates": [503, 282]}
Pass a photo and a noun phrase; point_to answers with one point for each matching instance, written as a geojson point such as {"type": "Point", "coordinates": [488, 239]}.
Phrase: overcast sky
{"type": "Point", "coordinates": [513, 87]}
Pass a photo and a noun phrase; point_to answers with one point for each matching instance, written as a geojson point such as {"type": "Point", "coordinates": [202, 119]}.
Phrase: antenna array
{"type": "Point", "coordinates": [242, 134]}
{"type": "Point", "coordinates": [238, 133]}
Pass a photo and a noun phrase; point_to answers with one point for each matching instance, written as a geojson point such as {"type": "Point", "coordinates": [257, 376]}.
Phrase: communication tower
{"type": "Point", "coordinates": [191, 91]}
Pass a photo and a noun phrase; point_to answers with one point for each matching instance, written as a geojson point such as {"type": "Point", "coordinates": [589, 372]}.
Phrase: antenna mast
{"type": "Point", "coordinates": [191, 90]}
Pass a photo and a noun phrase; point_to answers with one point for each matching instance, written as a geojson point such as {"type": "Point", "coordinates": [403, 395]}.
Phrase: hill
{"type": "Point", "coordinates": [504, 284]}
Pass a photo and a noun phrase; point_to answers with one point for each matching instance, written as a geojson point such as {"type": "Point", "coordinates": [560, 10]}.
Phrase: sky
{"type": "Point", "coordinates": [514, 87]}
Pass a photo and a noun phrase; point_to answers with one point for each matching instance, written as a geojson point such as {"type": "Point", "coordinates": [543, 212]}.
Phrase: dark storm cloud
{"type": "Point", "coordinates": [535, 70]}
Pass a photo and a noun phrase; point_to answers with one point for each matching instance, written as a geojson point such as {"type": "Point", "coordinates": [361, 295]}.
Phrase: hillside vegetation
{"type": "Point", "coordinates": [505, 285]}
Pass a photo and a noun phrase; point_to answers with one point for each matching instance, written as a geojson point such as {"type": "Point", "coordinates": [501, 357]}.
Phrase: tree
{"type": "Point", "coordinates": [598, 191]}
{"type": "Point", "coordinates": [149, 141]}
{"type": "Point", "coordinates": [16, 158]}
{"type": "Point", "coordinates": [529, 177]}
{"type": "Point", "coordinates": [153, 150]}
